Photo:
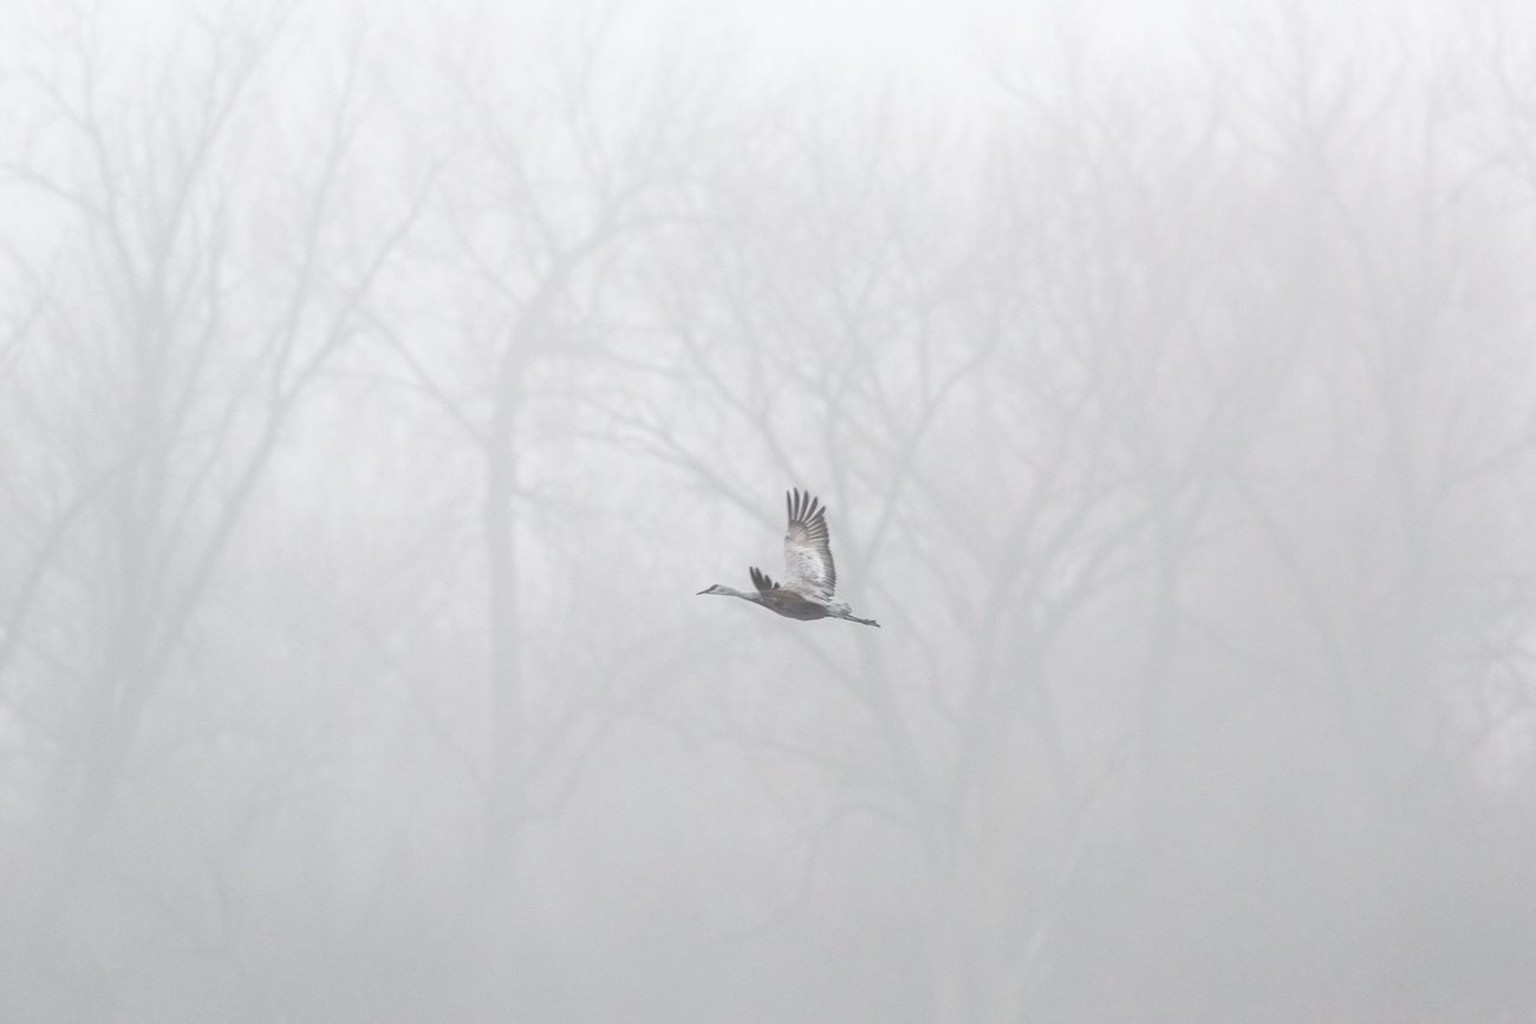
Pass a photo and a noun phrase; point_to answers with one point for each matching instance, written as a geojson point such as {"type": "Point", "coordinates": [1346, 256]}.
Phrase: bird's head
{"type": "Point", "coordinates": [713, 588]}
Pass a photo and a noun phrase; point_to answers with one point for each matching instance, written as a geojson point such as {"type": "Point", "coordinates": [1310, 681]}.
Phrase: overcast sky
{"type": "Point", "coordinates": [380, 386]}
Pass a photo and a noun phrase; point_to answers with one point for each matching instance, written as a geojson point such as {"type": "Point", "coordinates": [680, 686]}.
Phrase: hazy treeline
{"type": "Point", "coordinates": [377, 389]}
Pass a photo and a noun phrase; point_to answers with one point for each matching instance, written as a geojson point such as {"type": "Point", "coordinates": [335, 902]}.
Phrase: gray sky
{"type": "Point", "coordinates": [381, 386]}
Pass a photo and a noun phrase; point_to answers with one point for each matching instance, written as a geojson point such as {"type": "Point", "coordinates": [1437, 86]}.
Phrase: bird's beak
{"type": "Point", "coordinates": [704, 591]}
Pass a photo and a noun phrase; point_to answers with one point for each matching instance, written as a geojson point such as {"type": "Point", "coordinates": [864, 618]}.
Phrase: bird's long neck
{"type": "Point", "coordinates": [725, 591]}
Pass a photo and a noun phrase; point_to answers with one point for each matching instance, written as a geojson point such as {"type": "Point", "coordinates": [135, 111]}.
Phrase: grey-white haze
{"type": "Point", "coordinates": [381, 383]}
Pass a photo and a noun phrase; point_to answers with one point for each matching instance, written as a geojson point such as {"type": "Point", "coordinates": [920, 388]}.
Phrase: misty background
{"type": "Point", "coordinates": [379, 383]}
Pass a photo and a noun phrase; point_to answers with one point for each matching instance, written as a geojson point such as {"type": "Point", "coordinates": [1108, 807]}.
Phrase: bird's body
{"type": "Point", "coordinates": [810, 577]}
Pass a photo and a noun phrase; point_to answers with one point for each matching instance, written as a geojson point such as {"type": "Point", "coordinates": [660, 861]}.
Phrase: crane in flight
{"type": "Point", "coordinates": [810, 577]}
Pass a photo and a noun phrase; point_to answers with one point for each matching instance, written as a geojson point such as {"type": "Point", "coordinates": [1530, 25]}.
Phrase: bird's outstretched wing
{"type": "Point", "coordinates": [807, 552]}
{"type": "Point", "coordinates": [761, 580]}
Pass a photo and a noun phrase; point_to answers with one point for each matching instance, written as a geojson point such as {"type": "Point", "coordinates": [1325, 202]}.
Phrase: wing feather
{"type": "Point", "coordinates": [807, 548]}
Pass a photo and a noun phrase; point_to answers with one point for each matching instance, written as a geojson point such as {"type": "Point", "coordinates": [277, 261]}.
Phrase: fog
{"type": "Point", "coordinates": [379, 385]}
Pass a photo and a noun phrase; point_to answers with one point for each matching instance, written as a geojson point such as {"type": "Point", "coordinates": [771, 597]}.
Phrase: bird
{"type": "Point", "coordinates": [810, 577]}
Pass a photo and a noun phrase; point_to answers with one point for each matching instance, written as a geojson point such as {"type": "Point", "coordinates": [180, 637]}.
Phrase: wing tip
{"type": "Point", "coordinates": [761, 580]}
{"type": "Point", "coordinates": [804, 507]}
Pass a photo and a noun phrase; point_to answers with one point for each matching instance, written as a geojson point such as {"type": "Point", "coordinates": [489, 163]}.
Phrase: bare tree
{"type": "Point", "coordinates": [185, 296]}
{"type": "Point", "coordinates": [552, 180]}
